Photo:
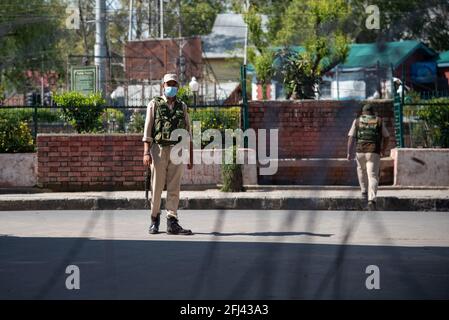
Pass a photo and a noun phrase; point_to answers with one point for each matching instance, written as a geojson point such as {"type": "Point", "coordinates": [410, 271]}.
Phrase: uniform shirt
{"type": "Point", "coordinates": [366, 147]}
{"type": "Point", "coordinates": [353, 133]}
{"type": "Point", "coordinates": [149, 120]}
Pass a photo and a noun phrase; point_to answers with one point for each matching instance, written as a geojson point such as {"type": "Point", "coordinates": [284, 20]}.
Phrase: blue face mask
{"type": "Point", "coordinates": [170, 91]}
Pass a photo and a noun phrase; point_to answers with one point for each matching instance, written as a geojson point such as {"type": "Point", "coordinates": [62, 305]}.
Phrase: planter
{"type": "Point", "coordinates": [18, 169]}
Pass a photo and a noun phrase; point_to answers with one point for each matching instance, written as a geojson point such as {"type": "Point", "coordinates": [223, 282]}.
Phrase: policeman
{"type": "Point", "coordinates": [371, 138]}
{"type": "Point", "coordinates": [164, 115]}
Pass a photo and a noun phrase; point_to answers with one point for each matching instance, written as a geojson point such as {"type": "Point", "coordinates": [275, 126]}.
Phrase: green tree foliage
{"type": "Point", "coordinates": [302, 72]}
{"type": "Point", "coordinates": [317, 25]}
{"type": "Point", "coordinates": [259, 53]}
{"type": "Point", "coordinates": [30, 36]}
{"type": "Point", "coordinates": [427, 21]}
{"type": "Point", "coordinates": [198, 16]}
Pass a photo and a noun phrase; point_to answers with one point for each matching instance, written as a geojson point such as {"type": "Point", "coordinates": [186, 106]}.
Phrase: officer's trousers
{"type": "Point", "coordinates": [368, 165]}
{"type": "Point", "coordinates": [163, 171]}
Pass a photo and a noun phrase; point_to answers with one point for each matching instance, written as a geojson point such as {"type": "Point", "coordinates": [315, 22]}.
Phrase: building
{"type": "Point", "coordinates": [223, 52]}
{"type": "Point", "coordinates": [369, 69]}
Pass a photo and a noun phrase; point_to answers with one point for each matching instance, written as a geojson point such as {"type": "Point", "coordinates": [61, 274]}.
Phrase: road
{"type": "Point", "coordinates": [234, 254]}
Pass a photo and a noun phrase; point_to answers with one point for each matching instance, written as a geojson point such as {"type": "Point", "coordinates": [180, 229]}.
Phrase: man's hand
{"type": "Point", "coordinates": [147, 160]}
{"type": "Point", "coordinates": [349, 157]}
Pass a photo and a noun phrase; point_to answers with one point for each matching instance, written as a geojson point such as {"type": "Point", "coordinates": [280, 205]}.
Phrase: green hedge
{"type": "Point", "coordinates": [81, 111]}
{"type": "Point", "coordinates": [22, 114]}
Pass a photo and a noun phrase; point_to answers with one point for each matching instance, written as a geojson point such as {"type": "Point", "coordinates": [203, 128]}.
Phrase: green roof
{"type": "Point", "coordinates": [443, 57]}
{"type": "Point", "coordinates": [390, 53]}
{"type": "Point", "coordinates": [365, 55]}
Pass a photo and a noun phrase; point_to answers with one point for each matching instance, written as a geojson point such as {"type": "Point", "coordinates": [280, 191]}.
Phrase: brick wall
{"type": "Point", "coordinates": [315, 129]}
{"type": "Point", "coordinates": [90, 162]}
{"type": "Point", "coordinates": [75, 162]}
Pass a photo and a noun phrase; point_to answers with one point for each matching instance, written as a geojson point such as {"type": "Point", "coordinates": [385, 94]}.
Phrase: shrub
{"type": "Point", "coordinates": [82, 112]}
{"type": "Point", "coordinates": [137, 123]}
{"type": "Point", "coordinates": [15, 136]}
{"type": "Point", "coordinates": [114, 119]}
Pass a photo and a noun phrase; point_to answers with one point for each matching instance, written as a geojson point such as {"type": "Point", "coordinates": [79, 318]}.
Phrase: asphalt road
{"type": "Point", "coordinates": [233, 255]}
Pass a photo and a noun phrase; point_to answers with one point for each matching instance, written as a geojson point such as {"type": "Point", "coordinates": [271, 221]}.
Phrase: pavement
{"type": "Point", "coordinates": [234, 254]}
{"type": "Point", "coordinates": [256, 197]}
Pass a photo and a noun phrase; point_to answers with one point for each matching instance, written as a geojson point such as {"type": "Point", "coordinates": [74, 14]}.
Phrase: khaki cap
{"type": "Point", "coordinates": [170, 77]}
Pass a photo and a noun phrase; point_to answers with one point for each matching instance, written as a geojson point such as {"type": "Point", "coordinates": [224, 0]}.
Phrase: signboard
{"type": "Point", "coordinates": [84, 79]}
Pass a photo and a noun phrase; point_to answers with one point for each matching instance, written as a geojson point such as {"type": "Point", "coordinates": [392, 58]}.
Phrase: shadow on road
{"type": "Point", "coordinates": [33, 268]}
{"type": "Point", "coordinates": [267, 234]}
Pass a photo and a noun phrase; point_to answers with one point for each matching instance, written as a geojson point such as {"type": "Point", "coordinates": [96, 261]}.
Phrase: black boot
{"type": "Point", "coordinates": [173, 227]}
{"type": "Point", "coordinates": [372, 206]}
{"type": "Point", "coordinates": [155, 221]}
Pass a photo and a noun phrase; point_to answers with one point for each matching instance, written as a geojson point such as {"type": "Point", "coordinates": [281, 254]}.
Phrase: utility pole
{"type": "Point", "coordinates": [100, 40]}
{"type": "Point", "coordinates": [130, 27]}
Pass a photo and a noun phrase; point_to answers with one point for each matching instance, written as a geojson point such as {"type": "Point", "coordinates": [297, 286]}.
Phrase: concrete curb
{"type": "Point", "coordinates": [230, 202]}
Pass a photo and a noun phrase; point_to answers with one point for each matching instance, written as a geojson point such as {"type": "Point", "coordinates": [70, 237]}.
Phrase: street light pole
{"type": "Point", "coordinates": [194, 87]}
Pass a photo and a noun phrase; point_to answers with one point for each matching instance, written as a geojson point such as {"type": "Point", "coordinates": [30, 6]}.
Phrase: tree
{"type": "Point", "coordinates": [259, 54]}
{"type": "Point", "coordinates": [197, 17]}
{"type": "Point", "coordinates": [30, 34]}
{"type": "Point", "coordinates": [427, 21]}
{"type": "Point", "coordinates": [319, 26]}
{"type": "Point", "coordinates": [302, 72]}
